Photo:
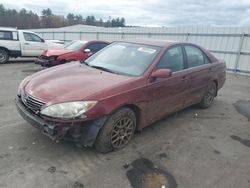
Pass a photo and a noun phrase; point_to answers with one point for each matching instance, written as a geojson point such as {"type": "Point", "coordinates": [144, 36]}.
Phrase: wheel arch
{"type": "Point", "coordinates": [103, 143]}
{"type": "Point", "coordinates": [6, 49]}
{"type": "Point", "coordinates": [135, 109]}
{"type": "Point", "coordinates": [216, 83]}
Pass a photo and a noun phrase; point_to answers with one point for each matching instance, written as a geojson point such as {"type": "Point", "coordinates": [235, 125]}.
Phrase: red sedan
{"type": "Point", "coordinates": [124, 87]}
{"type": "Point", "coordinates": [75, 50]}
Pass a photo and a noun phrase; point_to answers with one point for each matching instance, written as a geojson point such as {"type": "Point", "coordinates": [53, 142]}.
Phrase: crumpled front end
{"type": "Point", "coordinates": [83, 133]}
{"type": "Point", "coordinates": [46, 61]}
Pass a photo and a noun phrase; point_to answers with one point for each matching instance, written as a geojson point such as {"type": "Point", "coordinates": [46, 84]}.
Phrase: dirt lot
{"type": "Point", "coordinates": [191, 149]}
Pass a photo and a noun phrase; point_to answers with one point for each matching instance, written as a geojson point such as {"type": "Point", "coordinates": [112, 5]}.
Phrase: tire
{"type": "Point", "coordinates": [117, 131]}
{"type": "Point", "coordinates": [208, 98]}
{"type": "Point", "coordinates": [4, 56]}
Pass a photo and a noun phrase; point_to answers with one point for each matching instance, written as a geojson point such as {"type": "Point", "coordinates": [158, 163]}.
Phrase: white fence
{"type": "Point", "coordinates": [231, 44]}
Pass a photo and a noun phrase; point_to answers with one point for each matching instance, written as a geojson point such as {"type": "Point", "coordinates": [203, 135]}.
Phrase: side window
{"type": "Point", "coordinates": [6, 35]}
{"type": "Point", "coordinates": [96, 46]}
{"type": "Point", "coordinates": [102, 45]}
{"type": "Point", "coordinates": [172, 59]}
{"type": "Point", "coordinates": [15, 35]}
{"type": "Point", "coordinates": [195, 56]}
{"type": "Point", "coordinates": [32, 37]}
{"type": "Point", "coordinates": [206, 59]}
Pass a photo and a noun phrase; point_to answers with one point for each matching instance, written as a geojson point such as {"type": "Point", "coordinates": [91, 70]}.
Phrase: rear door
{"type": "Point", "coordinates": [200, 73]}
{"type": "Point", "coordinates": [167, 94]}
{"type": "Point", "coordinates": [32, 44]}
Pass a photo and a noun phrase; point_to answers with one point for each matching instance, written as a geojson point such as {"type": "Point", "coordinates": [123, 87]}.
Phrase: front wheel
{"type": "Point", "coordinates": [208, 98]}
{"type": "Point", "coordinates": [4, 56]}
{"type": "Point", "coordinates": [117, 131]}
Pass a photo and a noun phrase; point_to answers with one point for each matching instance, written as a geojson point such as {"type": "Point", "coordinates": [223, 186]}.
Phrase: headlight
{"type": "Point", "coordinates": [52, 58]}
{"type": "Point", "coordinates": [23, 84]}
{"type": "Point", "coordinates": [68, 110]}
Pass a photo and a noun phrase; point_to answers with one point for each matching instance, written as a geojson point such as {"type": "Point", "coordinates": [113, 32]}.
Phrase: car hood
{"type": "Point", "coordinates": [55, 52]}
{"type": "Point", "coordinates": [74, 82]}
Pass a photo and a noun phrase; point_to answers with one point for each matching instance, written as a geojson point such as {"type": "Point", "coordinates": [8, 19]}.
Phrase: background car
{"type": "Point", "coordinates": [125, 87]}
{"type": "Point", "coordinates": [75, 50]}
{"type": "Point", "coordinates": [23, 43]}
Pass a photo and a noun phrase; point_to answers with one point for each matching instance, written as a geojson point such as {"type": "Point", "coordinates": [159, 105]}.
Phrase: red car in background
{"type": "Point", "coordinates": [75, 50]}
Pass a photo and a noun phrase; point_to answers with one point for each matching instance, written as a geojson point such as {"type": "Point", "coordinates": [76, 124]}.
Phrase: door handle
{"type": "Point", "coordinates": [26, 43]}
{"type": "Point", "coordinates": [210, 69]}
{"type": "Point", "coordinates": [184, 78]}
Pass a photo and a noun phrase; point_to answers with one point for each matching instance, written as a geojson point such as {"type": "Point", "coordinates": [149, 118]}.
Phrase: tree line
{"type": "Point", "coordinates": [26, 19]}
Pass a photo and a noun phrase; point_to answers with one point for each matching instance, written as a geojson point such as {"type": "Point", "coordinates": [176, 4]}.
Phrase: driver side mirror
{"type": "Point", "coordinates": [161, 73]}
{"type": "Point", "coordinates": [87, 50]}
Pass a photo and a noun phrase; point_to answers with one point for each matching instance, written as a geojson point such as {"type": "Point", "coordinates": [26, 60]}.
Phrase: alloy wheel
{"type": "Point", "coordinates": [210, 95]}
{"type": "Point", "coordinates": [122, 132]}
{"type": "Point", "coordinates": [2, 57]}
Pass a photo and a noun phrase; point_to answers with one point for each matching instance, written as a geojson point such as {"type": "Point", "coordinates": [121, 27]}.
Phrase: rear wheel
{"type": "Point", "coordinates": [4, 56]}
{"type": "Point", "coordinates": [117, 131]}
{"type": "Point", "coordinates": [208, 98]}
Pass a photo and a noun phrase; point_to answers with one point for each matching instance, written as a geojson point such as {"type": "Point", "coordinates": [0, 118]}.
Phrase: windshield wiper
{"type": "Point", "coordinates": [84, 62]}
{"type": "Point", "coordinates": [102, 68]}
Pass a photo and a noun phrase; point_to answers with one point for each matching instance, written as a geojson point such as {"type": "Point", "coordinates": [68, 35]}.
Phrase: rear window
{"type": "Point", "coordinates": [6, 35]}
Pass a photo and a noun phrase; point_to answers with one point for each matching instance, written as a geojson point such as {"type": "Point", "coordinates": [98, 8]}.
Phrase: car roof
{"type": "Point", "coordinates": [152, 42]}
{"type": "Point", "coordinates": [101, 41]}
{"type": "Point", "coordinates": [85, 41]}
{"type": "Point", "coordinates": [90, 41]}
{"type": "Point", "coordinates": [8, 29]}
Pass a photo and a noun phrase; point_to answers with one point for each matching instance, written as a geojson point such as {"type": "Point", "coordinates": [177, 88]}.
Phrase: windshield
{"type": "Point", "coordinates": [75, 45]}
{"type": "Point", "coordinates": [124, 58]}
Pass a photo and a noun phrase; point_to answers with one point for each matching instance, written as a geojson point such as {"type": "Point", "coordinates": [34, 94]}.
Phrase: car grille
{"type": "Point", "coordinates": [44, 57]}
{"type": "Point", "coordinates": [33, 104]}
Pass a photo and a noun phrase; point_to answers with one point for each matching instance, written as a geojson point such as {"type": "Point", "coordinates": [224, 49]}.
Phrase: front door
{"type": "Point", "coordinates": [32, 45]}
{"type": "Point", "coordinates": [166, 95]}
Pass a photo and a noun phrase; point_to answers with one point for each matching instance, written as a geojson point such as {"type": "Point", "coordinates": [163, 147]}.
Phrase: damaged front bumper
{"type": "Point", "coordinates": [47, 62]}
{"type": "Point", "coordinates": [83, 133]}
{"type": "Point", "coordinates": [42, 62]}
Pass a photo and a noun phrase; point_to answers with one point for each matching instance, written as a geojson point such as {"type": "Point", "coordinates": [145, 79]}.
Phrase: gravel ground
{"type": "Point", "coordinates": [191, 149]}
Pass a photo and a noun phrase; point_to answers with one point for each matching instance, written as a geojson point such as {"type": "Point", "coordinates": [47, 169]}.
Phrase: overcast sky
{"type": "Point", "coordinates": [148, 12]}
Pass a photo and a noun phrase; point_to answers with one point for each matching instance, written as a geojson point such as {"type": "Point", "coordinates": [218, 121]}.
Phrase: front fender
{"type": "Point", "coordinates": [90, 130]}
